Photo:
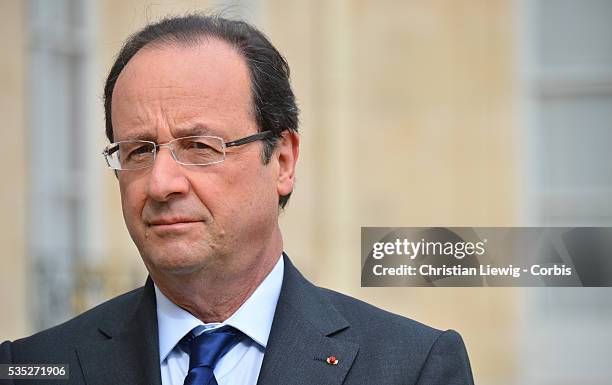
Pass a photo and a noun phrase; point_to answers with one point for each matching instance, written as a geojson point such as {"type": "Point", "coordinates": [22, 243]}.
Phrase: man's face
{"type": "Point", "coordinates": [186, 218]}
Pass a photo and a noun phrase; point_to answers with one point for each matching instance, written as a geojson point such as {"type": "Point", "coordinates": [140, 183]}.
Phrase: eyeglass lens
{"type": "Point", "coordinates": [131, 155]}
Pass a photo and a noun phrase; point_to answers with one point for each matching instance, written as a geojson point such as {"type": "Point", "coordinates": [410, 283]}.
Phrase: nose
{"type": "Point", "coordinates": [166, 177]}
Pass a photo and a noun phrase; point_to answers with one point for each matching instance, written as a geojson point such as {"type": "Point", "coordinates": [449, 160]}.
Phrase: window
{"type": "Point", "coordinates": [61, 139]}
{"type": "Point", "coordinates": [566, 76]}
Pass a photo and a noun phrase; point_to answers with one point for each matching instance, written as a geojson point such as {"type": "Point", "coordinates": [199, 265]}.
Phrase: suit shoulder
{"type": "Point", "coordinates": [363, 316]}
{"type": "Point", "coordinates": [421, 354]}
{"type": "Point", "coordinates": [74, 330]}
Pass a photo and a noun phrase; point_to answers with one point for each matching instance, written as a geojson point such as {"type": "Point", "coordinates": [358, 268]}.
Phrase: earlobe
{"type": "Point", "coordinates": [288, 149]}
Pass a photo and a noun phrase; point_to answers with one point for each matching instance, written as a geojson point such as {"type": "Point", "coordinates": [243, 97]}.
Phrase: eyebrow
{"type": "Point", "coordinates": [138, 136]}
{"type": "Point", "coordinates": [197, 129]}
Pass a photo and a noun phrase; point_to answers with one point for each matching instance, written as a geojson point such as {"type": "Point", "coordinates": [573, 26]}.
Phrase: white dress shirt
{"type": "Point", "coordinates": [239, 366]}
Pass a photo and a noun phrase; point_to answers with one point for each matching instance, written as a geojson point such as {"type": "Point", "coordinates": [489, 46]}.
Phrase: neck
{"type": "Point", "coordinates": [214, 293]}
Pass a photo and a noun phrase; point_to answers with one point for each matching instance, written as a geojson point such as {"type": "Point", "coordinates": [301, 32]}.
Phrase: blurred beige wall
{"type": "Point", "coordinates": [406, 121]}
{"type": "Point", "coordinates": [13, 202]}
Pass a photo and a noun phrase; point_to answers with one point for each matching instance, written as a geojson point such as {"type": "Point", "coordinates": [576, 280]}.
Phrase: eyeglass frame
{"type": "Point", "coordinates": [234, 143]}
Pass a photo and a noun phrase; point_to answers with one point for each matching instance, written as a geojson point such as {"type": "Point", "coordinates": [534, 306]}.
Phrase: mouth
{"type": "Point", "coordinates": [172, 225]}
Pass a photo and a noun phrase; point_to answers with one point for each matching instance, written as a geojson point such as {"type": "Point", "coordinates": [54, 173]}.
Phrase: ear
{"type": "Point", "coordinates": [287, 151]}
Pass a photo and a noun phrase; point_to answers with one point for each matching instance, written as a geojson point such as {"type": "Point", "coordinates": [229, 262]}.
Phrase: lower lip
{"type": "Point", "coordinates": [174, 227]}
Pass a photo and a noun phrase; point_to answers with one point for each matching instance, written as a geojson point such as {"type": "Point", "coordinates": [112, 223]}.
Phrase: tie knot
{"type": "Point", "coordinates": [207, 348]}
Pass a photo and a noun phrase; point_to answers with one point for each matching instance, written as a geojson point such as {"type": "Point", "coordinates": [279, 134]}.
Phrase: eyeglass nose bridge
{"type": "Point", "coordinates": [170, 148]}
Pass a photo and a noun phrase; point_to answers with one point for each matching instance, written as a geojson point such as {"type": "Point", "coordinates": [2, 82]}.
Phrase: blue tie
{"type": "Point", "coordinates": [204, 352]}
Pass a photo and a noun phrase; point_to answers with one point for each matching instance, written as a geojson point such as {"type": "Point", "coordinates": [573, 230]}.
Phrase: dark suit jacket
{"type": "Point", "coordinates": [117, 343]}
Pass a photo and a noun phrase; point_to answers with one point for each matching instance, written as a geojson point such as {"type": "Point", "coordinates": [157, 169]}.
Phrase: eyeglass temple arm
{"type": "Point", "coordinates": [249, 139]}
{"type": "Point", "coordinates": [110, 151]}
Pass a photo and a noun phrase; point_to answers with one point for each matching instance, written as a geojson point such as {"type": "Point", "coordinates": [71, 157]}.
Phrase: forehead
{"type": "Point", "coordinates": [206, 84]}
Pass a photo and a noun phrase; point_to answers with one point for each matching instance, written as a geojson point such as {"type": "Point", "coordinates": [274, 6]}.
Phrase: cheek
{"type": "Point", "coordinates": [234, 193]}
{"type": "Point", "coordinates": [219, 195]}
{"type": "Point", "coordinates": [133, 197]}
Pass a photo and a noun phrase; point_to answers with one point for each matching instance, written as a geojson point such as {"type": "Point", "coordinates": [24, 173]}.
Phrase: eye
{"type": "Point", "coordinates": [197, 145]}
{"type": "Point", "coordinates": [198, 150]}
{"type": "Point", "coordinates": [134, 151]}
{"type": "Point", "coordinates": [140, 150]}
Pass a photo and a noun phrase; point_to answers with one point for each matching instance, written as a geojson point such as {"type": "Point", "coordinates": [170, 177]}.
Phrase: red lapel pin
{"type": "Point", "coordinates": [332, 360]}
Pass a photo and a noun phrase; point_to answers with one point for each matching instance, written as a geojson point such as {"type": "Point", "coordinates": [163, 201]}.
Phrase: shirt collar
{"type": "Point", "coordinates": [253, 318]}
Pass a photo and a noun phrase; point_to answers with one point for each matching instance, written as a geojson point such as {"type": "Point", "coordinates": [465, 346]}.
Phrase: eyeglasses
{"type": "Point", "coordinates": [188, 151]}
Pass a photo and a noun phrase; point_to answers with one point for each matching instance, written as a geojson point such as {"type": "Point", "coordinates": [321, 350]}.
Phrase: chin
{"type": "Point", "coordinates": [173, 264]}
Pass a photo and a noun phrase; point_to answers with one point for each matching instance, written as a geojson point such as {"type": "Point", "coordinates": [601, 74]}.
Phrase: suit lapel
{"type": "Point", "coordinates": [301, 337]}
{"type": "Point", "coordinates": [127, 353]}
